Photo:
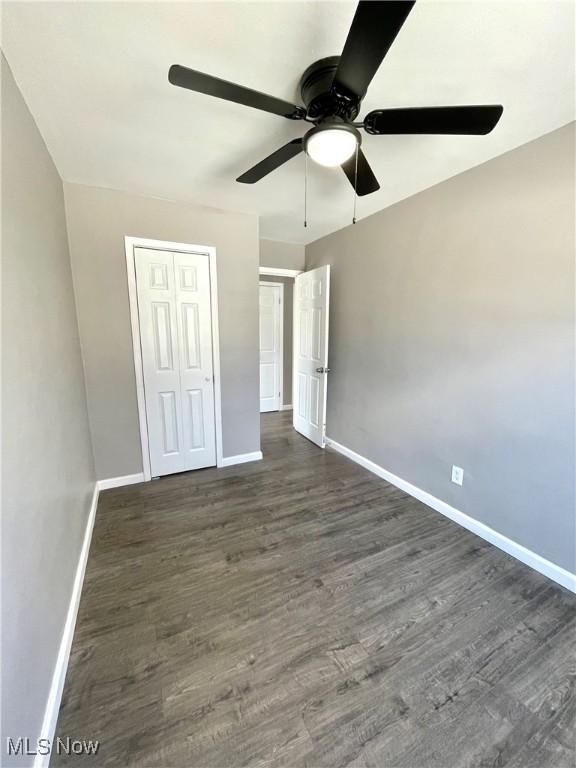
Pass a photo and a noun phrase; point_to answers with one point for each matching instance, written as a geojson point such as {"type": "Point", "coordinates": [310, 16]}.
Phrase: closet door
{"type": "Point", "coordinates": [176, 341]}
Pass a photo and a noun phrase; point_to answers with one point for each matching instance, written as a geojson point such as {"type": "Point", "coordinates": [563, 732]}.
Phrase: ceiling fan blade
{"type": "Point", "coordinates": [374, 28]}
{"type": "Point", "coordinates": [273, 161]}
{"type": "Point", "coordinates": [367, 182]}
{"type": "Point", "coordinates": [478, 120]}
{"type": "Point", "coordinates": [222, 89]}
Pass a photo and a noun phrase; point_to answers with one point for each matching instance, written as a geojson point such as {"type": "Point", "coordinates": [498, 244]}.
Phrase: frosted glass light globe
{"type": "Point", "coordinates": [331, 146]}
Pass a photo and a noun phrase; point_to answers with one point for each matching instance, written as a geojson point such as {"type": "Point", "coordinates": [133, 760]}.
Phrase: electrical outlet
{"type": "Point", "coordinates": [457, 475]}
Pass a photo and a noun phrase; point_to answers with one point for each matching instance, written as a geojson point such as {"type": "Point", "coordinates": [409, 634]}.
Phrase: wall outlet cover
{"type": "Point", "coordinates": [457, 475]}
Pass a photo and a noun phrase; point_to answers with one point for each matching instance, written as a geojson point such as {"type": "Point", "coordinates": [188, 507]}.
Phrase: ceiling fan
{"type": "Point", "coordinates": [332, 90]}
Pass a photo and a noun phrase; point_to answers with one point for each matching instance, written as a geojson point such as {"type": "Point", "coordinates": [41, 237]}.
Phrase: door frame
{"type": "Point", "coordinates": [279, 271]}
{"type": "Point", "coordinates": [130, 243]}
{"type": "Point", "coordinates": [281, 376]}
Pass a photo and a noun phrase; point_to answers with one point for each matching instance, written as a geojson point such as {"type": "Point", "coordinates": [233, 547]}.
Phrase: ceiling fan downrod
{"type": "Point", "coordinates": [305, 189]}
{"type": "Point", "coordinates": [355, 185]}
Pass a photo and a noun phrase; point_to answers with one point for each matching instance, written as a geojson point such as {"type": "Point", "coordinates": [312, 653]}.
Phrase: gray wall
{"type": "Point", "coordinates": [288, 283]}
{"type": "Point", "coordinates": [98, 220]}
{"type": "Point", "coordinates": [283, 255]}
{"type": "Point", "coordinates": [47, 470]}
{"type": "Point", "coordinates": [452, 341]}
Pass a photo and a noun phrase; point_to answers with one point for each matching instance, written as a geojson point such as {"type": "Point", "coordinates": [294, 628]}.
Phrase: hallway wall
{"type": "Point", "coordinates": [283, 255]}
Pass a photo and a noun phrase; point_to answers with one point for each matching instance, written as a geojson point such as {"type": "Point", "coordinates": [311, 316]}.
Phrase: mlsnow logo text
{"type": "Point", "coordinates": [67, 746]}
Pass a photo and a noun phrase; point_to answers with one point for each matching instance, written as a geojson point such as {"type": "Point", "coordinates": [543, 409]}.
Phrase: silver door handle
{"type": "Point", "coordinates": [322, 370]}
{"type": "Point", "coordinates": [207, 378]}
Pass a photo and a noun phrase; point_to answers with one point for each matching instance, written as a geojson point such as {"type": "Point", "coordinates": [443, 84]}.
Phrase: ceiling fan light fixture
{"type": "Point", "coordinates": [333, 144]}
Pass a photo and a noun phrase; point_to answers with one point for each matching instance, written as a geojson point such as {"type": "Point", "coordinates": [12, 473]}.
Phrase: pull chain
{"type": "Point", "coordinates": [305, 188]}
{"type": "Point", "coordinates": [355, 185]}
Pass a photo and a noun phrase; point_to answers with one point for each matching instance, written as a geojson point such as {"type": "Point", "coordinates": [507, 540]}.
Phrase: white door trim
{"type": "Point", "coordinates": [130, 243]}
{"type": "Point", "coordinates": [281, 371]}
{"type": "Point", "coordinates": [279, 272]}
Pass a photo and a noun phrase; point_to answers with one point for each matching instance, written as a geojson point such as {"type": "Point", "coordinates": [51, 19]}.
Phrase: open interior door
{"type": "Point", "coordinates": [311, 303]}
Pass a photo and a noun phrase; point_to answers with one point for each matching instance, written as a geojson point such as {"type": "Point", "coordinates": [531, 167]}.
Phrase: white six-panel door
{"type": "Point", "coordinates": [311, 305]}
{"type": "Point", "coordinates": [270, 346]}
{"type": "Point", "coordinates": [174, 310]}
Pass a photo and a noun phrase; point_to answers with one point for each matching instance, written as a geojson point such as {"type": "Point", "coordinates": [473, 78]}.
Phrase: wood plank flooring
{"type": "Point", "coordinates": [299, 611]}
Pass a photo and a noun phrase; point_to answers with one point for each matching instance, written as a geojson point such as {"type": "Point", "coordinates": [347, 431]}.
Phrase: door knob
{"type": "Point", "coordinates": [322, 370]}
{"type": "Point", "coordinates": [207, 378]}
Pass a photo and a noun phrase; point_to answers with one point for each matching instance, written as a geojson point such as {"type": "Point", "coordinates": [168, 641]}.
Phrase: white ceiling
{"type": "Point", "coordinates": [94, 75]}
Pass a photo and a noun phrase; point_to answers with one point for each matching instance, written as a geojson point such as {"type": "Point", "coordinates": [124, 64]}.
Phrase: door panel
{"type": "Point", "coordinates": [315, 335]}
{"type": "Point", "coordinates": [268, 381]}
{"type": "Point", "coordinates": [302, 398]}
{"type": "Point", "coordinates": [191, 333]}
{"type": "Point", "coordinates": [311, 305]}
{"type": "Point", "coordinates": [160, 360]}
{"type": "Point", "coordinates": [315, 388]}
{"type": "Point", "coordinates": [176, 339]}
{"type": "Point", "coordinates": [303, 332]}
{"type": "Point", "coordinates": [162, 329]}
{"type": "Point", "coordinates": [196, 372]}
{"type": "Point", "coordinates": [169, 417]}
{"type": "Point", "coordinates": [187, 276]}
{"type": "Point", "coordinates": [270, 347]}
{"type": "Point", "coordinates": [194, 418]}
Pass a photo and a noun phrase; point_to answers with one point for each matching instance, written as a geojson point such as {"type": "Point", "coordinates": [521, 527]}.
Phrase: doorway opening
{"type": "Point", "coordinates": [294, 320]}
{"type": "Point", "coordinates": [276, 292]}
{"type": "Point", "coordinates": [275, 320]}
{"type": "Point", "coordinates": [271, 346]}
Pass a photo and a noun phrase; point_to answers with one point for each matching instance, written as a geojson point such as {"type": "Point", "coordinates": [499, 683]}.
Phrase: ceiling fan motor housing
{"type": "Point", "coordinates": [321, 98]}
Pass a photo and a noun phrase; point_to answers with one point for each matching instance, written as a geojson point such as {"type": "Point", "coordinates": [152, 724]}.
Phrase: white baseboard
{"type": "Point", "coordinates": [241, 458]}
{"type": "Point", "coordinates": [526, 556]}
{"type": "Point", "coordinates": [59, 676]}
{"type": "Point", "coordinates": [118, 482]}
{"type": "Point", "coordinates": [286, 407]}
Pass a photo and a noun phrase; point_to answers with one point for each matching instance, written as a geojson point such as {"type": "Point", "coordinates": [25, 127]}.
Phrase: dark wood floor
{"type": "Point", "coordinates": [301, 612]}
